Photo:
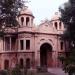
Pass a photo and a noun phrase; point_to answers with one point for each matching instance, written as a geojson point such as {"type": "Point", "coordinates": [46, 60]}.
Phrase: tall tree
{"type": "Point", "coordinates": [9, 9]}
{"type": "Point", "coordinates": [68, 18]}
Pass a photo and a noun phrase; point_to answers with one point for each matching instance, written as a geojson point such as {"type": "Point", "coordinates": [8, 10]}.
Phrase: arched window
{"type": "Point", "coordinates": [22, 20]}
{"type": "Point", "coordinates": [27, 63]}
{"type": "Point", "coordinates": [59, 25]}
{"type": "Point", "coordinates": [21, 63]}
{"type": "Point", "coordinates": [21, 44]}
{"type": "Point", "coordinates": [7, 43]}
{"type": "Point", "coordinates": [61, 45]}
{"type": "Point", "coordinates": [27, 21]}
{"type": "Point", "coordinates": [56, 25]}
{"type": "Point", "coordinates": [27, 44]}
{"type": "Point", "coordinates": [6, 64]}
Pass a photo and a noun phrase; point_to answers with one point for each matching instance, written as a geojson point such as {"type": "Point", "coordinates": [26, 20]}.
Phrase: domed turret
{"type": "Point", "coordinates": [57, 24]}
{"type": "Point", "coordinates": [26, 17]}
{"type": "Point", "coordinates": [26, 11]}
{"type": "Point", "coordinates": [56, 16]}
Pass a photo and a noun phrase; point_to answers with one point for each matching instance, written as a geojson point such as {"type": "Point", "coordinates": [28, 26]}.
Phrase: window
{"type": "Point", "coordinates": [21, 63]}
{"type": "Point", "coordinates": [59, 25]}
{"type": "Point", "coordinates": [56, 25]}
{"type": "Point", "coordinates": [7, 43]}
{"type": "Point", "coordinates": [61, 45]}
{"type": "Point", "coordinates": [21, 44]}
{"type": "Point", "coordinates": [27, 21]}
{"type": "Point", "coordinates": [6, 64]}
{"type": "Point", "coordinates": [22, 20]}
{"type": "Point", "coordinates": [27, 44]}
{"type": "Point", "coordinates": [13, 43]}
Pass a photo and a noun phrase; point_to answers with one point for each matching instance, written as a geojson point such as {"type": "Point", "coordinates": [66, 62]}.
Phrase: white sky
{"type": "Point", "coordinates": [44, 9]}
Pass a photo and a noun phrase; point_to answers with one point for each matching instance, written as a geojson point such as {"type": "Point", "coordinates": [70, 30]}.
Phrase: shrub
{"type": "Point", "coordinates": [4, 72]}
{"type": "Point", "coordinates": [16, 70]}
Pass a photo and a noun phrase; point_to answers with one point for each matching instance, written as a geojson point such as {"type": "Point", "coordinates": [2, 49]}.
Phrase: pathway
{"type": "Point", "coordinates": [57, 71]}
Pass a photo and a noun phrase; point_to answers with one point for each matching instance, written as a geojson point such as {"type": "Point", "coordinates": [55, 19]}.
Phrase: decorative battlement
{"type": "Point", "coordinates": [10, 30]}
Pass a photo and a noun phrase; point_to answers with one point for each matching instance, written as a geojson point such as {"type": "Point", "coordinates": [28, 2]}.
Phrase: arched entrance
{"type": "Point", "coordinates": [27, 63]}
{"type": "Point", "coordinates": [46, 55]}
{"type": "Point", "coordinates": [6, 64]}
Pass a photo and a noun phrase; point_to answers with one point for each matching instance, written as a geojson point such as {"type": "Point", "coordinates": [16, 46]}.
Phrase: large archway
{"type": "Point", "coordinates": [46, 55]}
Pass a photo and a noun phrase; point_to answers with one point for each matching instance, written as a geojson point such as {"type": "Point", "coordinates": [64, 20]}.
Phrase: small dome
{"type": "Point", "coordinates": [26, 10]}
{"type": "Point", "coordinates": [56, 16]}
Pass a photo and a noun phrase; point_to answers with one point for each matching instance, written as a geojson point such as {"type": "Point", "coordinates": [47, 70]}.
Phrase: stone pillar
{"type": "Point", "coordinates": [38, 58]}
{"type": "Point", "coordinates": [54, 57]}
{"type": "Point", "coordinates": [10, 43]}
{"type": "Point", "coordinates": [2, 61]}
{"type": "Point", "coordinates": [53, 25]}
{"type": "Point", "coordinates": [35, 59]}
{"type": "Point", "coordinates": [29, 22]}
{"type": "Point", "coordinates": [4, 44]}
{"type": "Point", "coordinates": [62, 26]}
{"type": "Point", "coordinates": [18, 44]}
{"type": "Point", "coordinates": [58, 25]}
{"type": "Point", "coordinates": [23, 44]}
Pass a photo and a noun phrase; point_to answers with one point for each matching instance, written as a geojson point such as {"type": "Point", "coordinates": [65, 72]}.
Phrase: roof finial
{"type": "Point", "coordinates": [56, 13]}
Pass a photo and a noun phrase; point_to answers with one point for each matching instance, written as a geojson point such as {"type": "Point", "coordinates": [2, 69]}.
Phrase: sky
{"type": "Point", "coordinates": [44, 9]}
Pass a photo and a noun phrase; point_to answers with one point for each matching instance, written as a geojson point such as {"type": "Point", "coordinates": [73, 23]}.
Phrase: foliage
{"type": "Point", "coordinates": [3, 72]}
{"type": "Point", "coordinates": [9, 9]}
{"type": "Point", "coordinates": [25, 71]}
{"type": "Point", "coordinates": [16, 70]}
{"type": "Point", "coordinates": [67, 12]}
{"type": "Point", "coordinates": [61, 58]}
{"type": "Point", "coordinates": [68, 18]}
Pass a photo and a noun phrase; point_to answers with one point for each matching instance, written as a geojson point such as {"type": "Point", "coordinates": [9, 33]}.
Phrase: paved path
{"type": "Point", "coordinates": [51, 71]}
{"type": "Point", "coordinates": [46, 73]}
{"type": "Point", "coordinates": [57, 71]}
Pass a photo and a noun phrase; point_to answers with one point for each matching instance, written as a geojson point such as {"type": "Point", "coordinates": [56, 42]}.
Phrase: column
{"type": "Point", "coordinates": [38, 58]}
{"type": "Point", "coordinates": [54, 57]}
{"type": "Point", "coordinates": [24, 44]}
{"type": "Point", "coordinates": [58, 25]}
{"type": "Point", "coordinates": [10, 43]}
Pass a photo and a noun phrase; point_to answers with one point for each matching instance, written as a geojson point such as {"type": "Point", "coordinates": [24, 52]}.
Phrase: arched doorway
{"type": "Point", "coordinates": [6, 64]}
{"type": "Point", "coordinates": [21, 63]}
{"type": "Point", "coordinates": [27, 63]}
{"type": "Point", "coordinates": [46, 55]}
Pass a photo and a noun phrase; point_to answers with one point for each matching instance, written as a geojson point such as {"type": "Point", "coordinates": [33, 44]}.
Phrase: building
{"type": "Point", "coordinates": [31, 46]}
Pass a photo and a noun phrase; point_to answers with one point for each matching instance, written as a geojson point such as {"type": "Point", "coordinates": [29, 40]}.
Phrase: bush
{"type": "Point", "coordinates": [16, 71]}
{"type": "Point", "coordinates": [41, 69]}
{"type": "Point", "coordinates": [70, 68]}
{"type": "Point", "coordinates": [4, 72]}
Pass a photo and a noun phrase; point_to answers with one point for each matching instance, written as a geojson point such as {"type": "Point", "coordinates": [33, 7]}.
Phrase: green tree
{"type": "Point", "coordinates": [68, 18]}
{"type": "Point", "coordinates": [9, 9]}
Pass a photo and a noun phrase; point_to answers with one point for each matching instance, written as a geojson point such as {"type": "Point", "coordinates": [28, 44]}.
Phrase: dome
{"type": "Point", "coordinates": [56, 16]}
{"type": "Point", "coordinates": [26, 10]}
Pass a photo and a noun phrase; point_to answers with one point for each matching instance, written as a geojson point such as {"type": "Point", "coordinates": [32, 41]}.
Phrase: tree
{"type": "Point", "coordinates": [68, 18]}
{"type": "Point", "coordinates": [9, 9]}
